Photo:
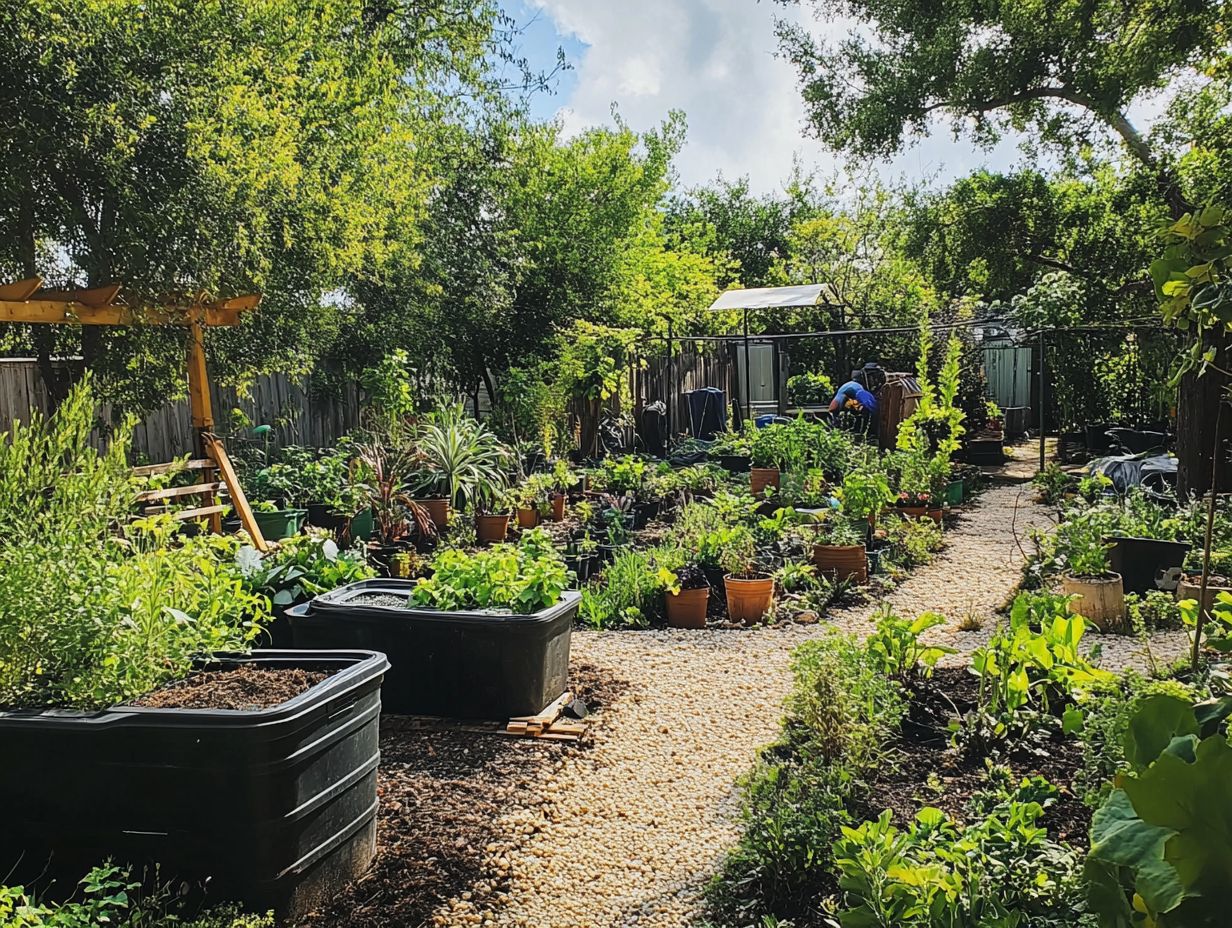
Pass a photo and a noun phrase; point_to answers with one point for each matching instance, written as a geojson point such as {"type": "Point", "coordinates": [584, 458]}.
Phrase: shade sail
{"type": "Point", "coordinates": [775, 297]}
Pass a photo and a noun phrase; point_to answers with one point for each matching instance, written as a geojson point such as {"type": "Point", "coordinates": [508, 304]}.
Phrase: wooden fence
{"type": "Point", "coordinates": [296, 415]}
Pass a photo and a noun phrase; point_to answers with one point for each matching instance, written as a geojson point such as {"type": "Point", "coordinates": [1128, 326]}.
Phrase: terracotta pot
{"type": "Point", "coordinates": [528, 517]}
{"type": "Point", "coordinates": [687, 609]}
{"type": "Point", "coordinates": [1101, 600]}
{"type": "Point", "coordinates": [842, 563]}
{"type": "Point", "coordinates": [748, 600]}
{"type": "Point", "coordinates": [921, 512]}
{"type": "Point", "coordinates": [558, 507]}
{"type": "Point", "coordinates": [762, 477]}
{"type": "Point", "coordinates": [491, 528]}
{"type": "Point", "coordinates": [438, 511]}
{"type": "Point", "coordinates": [1191, 588]}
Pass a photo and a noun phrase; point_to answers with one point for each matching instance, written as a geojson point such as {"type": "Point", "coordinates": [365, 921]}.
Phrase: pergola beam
{"type": "Point", "coordinates": [24, 301]}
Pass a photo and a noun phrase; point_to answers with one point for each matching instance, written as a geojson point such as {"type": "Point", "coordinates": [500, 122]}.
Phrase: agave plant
{"type": "Point", "coordinates": [464, 460]}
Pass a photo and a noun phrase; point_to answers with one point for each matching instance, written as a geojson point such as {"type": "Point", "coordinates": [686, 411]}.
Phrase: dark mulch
{"type": "Point", "coordinates": [442, 791]}
{"type": "Point", "coordinates": [929, 771]}
{"type": "Point", "coordinates": [244, 687]}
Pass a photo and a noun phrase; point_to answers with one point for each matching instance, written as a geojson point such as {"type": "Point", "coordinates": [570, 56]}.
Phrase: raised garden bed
{"type": "Point", "coordinates": [476, 665]}
{"type": "Point", "coordinates": [141, 783]}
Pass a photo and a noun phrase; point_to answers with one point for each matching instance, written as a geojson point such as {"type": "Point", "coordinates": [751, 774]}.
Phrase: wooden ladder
{"type": "Point", "coordinates": [216, 474]}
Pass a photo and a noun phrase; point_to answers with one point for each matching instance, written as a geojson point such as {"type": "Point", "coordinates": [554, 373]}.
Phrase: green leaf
{"type": "Point", "coordinates": [1159, 719]}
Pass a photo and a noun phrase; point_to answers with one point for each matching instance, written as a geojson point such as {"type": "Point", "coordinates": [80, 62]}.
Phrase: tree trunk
{"type": "Point", "coordinates": [1195, 429]}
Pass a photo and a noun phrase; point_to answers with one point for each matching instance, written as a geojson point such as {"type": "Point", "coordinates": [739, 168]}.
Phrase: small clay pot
{"type": "Point", "coordinates": [687, 609]}
{"type": "Point", "coordinates": [842, 563]}
{"type": "Point", "coordinates": [438, 511]}
{"type": "Point", "coordinates": [762, 477]}
{"type": "Point", "coordinates": [558, 507]}
{"type": "Point", "coordinates": [491, 528]}
{"type": "Point", "coordinates": [748, 600]}
{"type": "Point", "coordinates": [528, 517]}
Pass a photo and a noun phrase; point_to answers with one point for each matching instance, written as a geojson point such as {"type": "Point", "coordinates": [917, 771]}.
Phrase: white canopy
{"type": "Point", "coordinates": [775, 297]}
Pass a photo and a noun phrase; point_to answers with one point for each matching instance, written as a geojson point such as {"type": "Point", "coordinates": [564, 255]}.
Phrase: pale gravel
{"type": "Point", "coordinates": [628, 833]}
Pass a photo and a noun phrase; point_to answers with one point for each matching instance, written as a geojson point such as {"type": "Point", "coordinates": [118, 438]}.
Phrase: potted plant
{"type": "Point", "coordinates": [838, 550]}
{"type": "Point", "coordinates": [993, 417]}
{"type": "Point", "coordinates": [383, 473]}
{"type": "Point", "coordinates": [1095, 590]}
{"type": "Point", "coordinates": [686, 595]}
{"type": "Point", "coordinates": [581, 556]}
{"type": "Point", "coordinates": [749, 588]}
{"type": "Point", "coordinates": [272, 492]}
{"type": "Point", "coordinates": [617, 516]}
{"type": "Point", "coordinates": [113, 716]}
{"type": "Point", "coordinates": [731, 450]}
{"type": "Point", "coordinates": [486, 636]}
{"type": "Point", "coordinates": [564, 479]}
{"type": "Point", "coordinates": [766, 451]}
{"type": "Point", "coordinates": [462, 460]}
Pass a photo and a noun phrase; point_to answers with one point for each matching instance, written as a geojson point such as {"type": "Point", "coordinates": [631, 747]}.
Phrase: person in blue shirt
{"type": "Point", "coordinates": [853, 396]}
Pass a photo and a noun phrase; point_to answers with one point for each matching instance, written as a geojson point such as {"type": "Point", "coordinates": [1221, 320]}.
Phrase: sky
{"type": "Point", "coordinates": [716, 61]}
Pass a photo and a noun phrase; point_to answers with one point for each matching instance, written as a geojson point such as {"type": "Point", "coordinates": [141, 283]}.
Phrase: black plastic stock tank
{"type": "Point", "coordinates": [275, 808]}
{"type": "Point", "coordinates": [468, 665]}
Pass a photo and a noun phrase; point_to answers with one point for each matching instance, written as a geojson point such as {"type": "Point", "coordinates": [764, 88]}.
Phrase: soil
{"type": "Point", "coordinates": [245, 687]}
{"type": "Point", "coordinates": [927, 770]}
{"type": "Point", "coordinates": [443, 792]}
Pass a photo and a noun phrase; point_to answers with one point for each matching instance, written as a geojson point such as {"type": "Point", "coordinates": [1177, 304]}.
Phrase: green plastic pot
{"type": "Point", "coordinates": [954, 492]}
{"type": "Point", "coordinates": [281, 523]}
{"type": "Point", "coordinates": [362, 525]}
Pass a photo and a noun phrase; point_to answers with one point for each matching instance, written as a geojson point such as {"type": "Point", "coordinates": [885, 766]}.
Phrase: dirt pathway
{"type": "Point", "coordinates": [628, 832]}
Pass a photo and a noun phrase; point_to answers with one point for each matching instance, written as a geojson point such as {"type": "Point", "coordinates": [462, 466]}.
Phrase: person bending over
{"type": "Point", "coordinates": [854, 398]}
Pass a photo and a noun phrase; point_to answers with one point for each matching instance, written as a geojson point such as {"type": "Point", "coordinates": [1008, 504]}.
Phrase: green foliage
{"type": "Point", "coordinates": [1107, 711]}
{"type": "Point", "coordinates": [521, 578]}
{"type": "Point", "coordinates": [1160, 842]}
{"type": "Point", "coordinates": [1027, 678]}
{"type": "Point", "coordinates": [91, 616]}
{"type": "Point", "coordinates": [1193, 282]}
{"type": "Point", "coordinates": [230, 148]}
{"type": "Point", "coordinates": [1047, 75]}
{"type": "Point", "coordinates": [865, 493]}
{"type": "Point", "coordinates": [109, 897]}
{"type": "Point", "coordinates": [463, 460]}
{"type": "Point", "coordinates": [895, 647]}
{"type": "Point", "coordinates": [810, 389]}
{"type": "Point", "coordinates": [389, 389]}
{"type": "Point", "coordinates": [301, 567]}
{"type": "Point", "coordinates": [840, 714]}
{"type": "Point", "coordinates": [1155, 610]}
{"type": "Point", "coordinates": [912, 542]}
{"type": "Point", "coordinates": [1052, 483]}
{"type": "Point", "coordinates": [998, 870]}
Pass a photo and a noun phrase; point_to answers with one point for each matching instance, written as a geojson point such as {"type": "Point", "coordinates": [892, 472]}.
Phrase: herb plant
{"type": "Point", "coordinates": [520, 578]}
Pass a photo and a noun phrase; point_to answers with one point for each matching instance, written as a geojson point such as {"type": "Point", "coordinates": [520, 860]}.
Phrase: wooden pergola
{"type": "Point", "coordinates": [26, 301]}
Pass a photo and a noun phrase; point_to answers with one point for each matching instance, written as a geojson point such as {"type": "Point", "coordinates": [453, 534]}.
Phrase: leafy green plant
{"type": "Point", "coordinates": [837, 530]}
{"type": "Point", "coordinates": [939, 873]}
{"type": "Point", "coordinates": [301, 567]}
{"type": "Point", "coordinates": [810, 388]}
{"type": "Point", "coordinates": [464, 461]}
{"type": "Point", "coordinates": [1052, 484]}
{"type": "Point", "coordinates": [912, 542]}
{"type": "Point", "coordinates": [865, 493]}
{"type": "Point", "coordinates": [1028, 677]}
{"type": "Point", "coordinates": [895, 647]}
{"type": "Point", "coordinates": [1159, 844]}
{"type": "Point", "coordinates": [738, 555]}
{"type": "Point", "coordinates": [95, 610]}
{"type": "Point", "coordinates": [520, 578]}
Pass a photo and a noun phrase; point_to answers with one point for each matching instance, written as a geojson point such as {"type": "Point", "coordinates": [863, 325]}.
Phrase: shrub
{"type": "Point", "coordinates": [939, 873]}
{"type": "Point", "coordinates": [521, 578]}
{"type": "Point", "coordinates": [913, 541]}
{"type": "Point", "coordinates": [94, 610]}
{"type": "Point", "coordinates": [108, 896]}
{"type": "Point", "coordinates": [810, 388]}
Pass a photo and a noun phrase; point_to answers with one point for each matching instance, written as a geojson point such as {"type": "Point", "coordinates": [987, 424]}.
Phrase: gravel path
{"type": "Point", "coordinates": [626, 834]}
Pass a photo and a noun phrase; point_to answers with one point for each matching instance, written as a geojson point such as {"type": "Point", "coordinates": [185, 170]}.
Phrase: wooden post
{"type": "Point", "coordinates": [201, 407]}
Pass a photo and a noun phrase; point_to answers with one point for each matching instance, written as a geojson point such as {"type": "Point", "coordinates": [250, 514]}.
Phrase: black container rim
{"type": "Point", "coordinates": [337, 604]}
{"type": "Point", "coordinates": [1157, 541]}
{"type": "Point", "coordinates": [355, 667]}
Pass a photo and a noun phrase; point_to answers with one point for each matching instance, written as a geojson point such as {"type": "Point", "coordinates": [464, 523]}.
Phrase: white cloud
{"type": "Point", "coordinates": [716, 61]}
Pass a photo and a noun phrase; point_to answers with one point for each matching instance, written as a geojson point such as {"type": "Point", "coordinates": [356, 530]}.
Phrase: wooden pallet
{"type": "Point", "coordinates": [547, 724]}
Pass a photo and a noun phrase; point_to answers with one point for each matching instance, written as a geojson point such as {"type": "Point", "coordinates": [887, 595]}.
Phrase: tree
{"type": "Point", "coordinates": [1058, 70]}
{"type": "Point", "coordinates": [179, 146]}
